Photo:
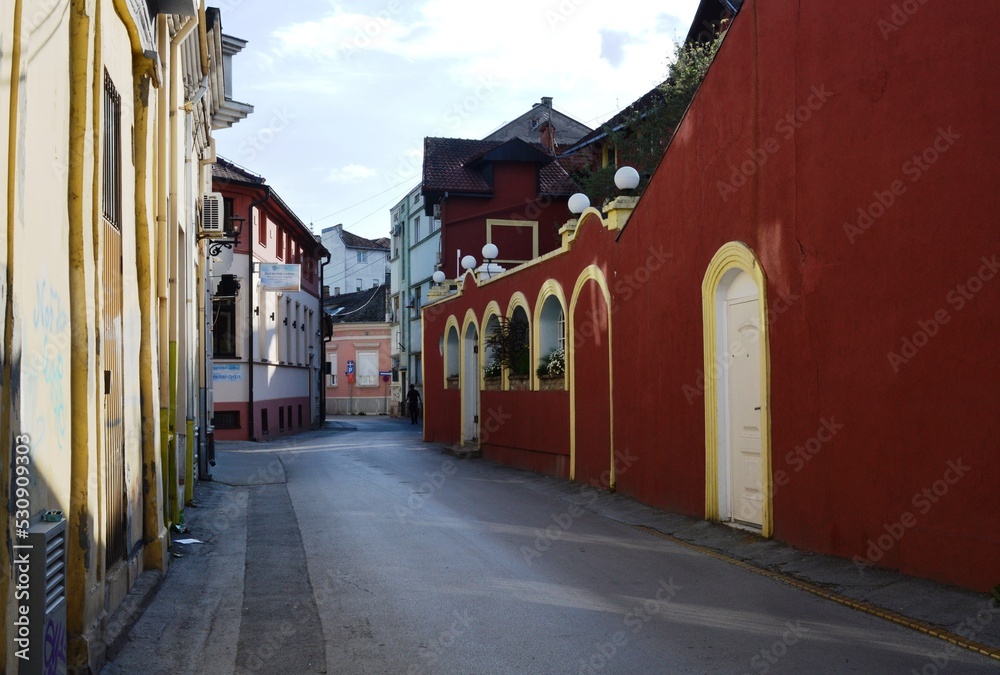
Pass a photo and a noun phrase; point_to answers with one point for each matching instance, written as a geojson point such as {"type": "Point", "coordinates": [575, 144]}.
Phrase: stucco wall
{"type": "Point", "coordinates": [867, 195]}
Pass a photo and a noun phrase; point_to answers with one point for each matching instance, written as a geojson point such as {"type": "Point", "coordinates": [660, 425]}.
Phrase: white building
{"type": "Point", "coordinates": [356, 263]}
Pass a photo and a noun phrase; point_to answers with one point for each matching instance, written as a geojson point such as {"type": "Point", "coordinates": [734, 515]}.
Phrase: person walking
{"type": "Point", "coordinates": [413, 403]}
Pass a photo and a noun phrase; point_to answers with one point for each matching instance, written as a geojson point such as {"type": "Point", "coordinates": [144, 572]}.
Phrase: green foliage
{"type": "Point", "coordinates": [508, 342]}
{"type": "Point", "coordinates": [552, 364]}
{"type": "Point", "coordinates": [642, 137]}
{"type": "Point", "coordinates": [493, 368]}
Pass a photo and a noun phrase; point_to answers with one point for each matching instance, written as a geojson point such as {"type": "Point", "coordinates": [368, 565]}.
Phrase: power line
{"type": "Point", "coordinates": [367, 199]}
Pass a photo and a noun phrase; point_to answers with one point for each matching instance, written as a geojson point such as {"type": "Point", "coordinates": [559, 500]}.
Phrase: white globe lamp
{"type": "Point", "coordinates": [627, 178]}
{"type": "Point", "coordinates": [468, 262]}
{"type": "Point", "coordinates": [490, 252]}
{"type": "Point", "coordinates": [578, 203]}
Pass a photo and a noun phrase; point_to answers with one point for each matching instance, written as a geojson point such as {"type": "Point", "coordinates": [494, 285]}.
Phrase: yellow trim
{"type": "Point", "coordinates": [470, 320]}
{"type": "Point", "coordinates": [492, 309]}
{"type": "Point", "coordinates": [519, 300]}
{"type": "Point", "coordinates": [550, 287]}
{"type": "Point", "coordinates": [533, 224]}
{"type": "Point", "coordinates": [452, 322]}
{"type": "Point", "coordinates": [734, 256]}
{"type": "Point", "coordinates": [590, 273]}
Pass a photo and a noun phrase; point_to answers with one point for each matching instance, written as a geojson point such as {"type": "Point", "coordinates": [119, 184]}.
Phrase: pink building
{"type": "Point", "coordinates": [358, 354]}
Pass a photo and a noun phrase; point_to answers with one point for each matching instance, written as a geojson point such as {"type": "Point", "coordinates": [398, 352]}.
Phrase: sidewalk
{"type": "Point", "coordinates": [197, 580]}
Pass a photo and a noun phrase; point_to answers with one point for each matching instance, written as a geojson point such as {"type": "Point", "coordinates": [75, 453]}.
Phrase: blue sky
{"type": "Point", "coordinates": [345, 92]}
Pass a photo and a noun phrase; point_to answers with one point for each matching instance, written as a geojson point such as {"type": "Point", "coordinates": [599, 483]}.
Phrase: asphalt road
{"type": "Point", "coordinates": [370, 552]}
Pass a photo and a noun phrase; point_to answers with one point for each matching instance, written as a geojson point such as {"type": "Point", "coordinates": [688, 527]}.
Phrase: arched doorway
{"type": "Point", "coordinates": [737, 390]}
{"type": "Point", "coordinates": [470, 383]}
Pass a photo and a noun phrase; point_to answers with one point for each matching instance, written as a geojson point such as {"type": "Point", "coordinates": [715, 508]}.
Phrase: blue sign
{"type": "Point", "coordinates": [350, 367]}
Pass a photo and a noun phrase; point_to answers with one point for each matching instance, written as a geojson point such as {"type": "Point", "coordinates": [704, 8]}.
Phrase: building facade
{"type": "Point", "coordinates": [417, 234]}
{"type": "Point", "coordinates": [356, 263]}
{"type": "Point", "coordinates": [793, 331]}
{"type": "Point", "coordinates": [110, 112]}
{"type": "Point", "coordinates": [358, 354]}
{"type": "Point", "coordinates": [267, 322]}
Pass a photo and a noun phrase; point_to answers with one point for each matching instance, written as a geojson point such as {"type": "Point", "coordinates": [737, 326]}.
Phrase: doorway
{"type": "Point", "coordinates": [470, 385]}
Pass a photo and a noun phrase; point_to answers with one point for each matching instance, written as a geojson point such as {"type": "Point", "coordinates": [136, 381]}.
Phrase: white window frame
{"type": "Point", "coordinates": [366, 361]}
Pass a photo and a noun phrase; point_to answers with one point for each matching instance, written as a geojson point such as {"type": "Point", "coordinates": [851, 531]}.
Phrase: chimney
{"type": "Point", "coordinates": [547, 101]}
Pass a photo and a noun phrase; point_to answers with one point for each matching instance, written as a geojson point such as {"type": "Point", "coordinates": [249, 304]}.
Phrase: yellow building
{"type": "Point", "coordinates": [106, 120]}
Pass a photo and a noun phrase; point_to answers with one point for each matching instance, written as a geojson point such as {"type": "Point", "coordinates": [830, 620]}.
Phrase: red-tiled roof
{"type": "Point", "coordinates": [453, 165]}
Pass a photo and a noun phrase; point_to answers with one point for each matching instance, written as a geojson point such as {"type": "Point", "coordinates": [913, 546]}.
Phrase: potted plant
{"type": "Point", "coordinates": [451, 382]}
{"type": "Point", "coordinates": [551, 370]}
{"type": "Point", "coordinates": [493, 374]}
{"type": "Point", "coordinates": [508, 344]}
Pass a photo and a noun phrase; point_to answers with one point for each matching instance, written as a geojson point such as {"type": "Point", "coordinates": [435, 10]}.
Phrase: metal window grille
{"type": "Point", "coordinates": [112, 202]}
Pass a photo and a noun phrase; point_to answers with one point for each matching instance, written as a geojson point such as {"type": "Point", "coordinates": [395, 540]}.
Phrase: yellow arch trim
{"type": "Point", "coordinates": [470, 320]}
{"type": "Point", "coordinates": [519, 300]}
{"type": "Point", "coordinates": [492, 309]}
{"type": "Point", "coordinates": [550, 287]}
{"type": "Point", "coordinates": [734, 256]}
{"type": "Point", "coordinates": [452, 322]}
{"type": "Point", "coordinates": [596, 274]}
{"type": "Point", "coordinates": [590, 210]}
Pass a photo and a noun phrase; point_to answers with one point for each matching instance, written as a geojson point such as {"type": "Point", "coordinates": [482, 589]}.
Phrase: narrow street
{"type": "Point", "coordinates": [360, 549]}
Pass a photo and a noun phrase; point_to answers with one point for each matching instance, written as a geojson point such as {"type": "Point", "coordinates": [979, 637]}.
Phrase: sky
{"type": "Point", "coordinates": [345, 92]}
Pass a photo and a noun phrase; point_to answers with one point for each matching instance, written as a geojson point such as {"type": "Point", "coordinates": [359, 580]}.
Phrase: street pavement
{"type": "Point", "coordinates": [360, 549]}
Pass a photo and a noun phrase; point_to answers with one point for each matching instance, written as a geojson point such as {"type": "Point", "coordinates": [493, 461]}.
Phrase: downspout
{"type": "Point", "coordinates": [250, 333]}
{"type": "Point", "coordinates": [162, 259]}
{"type": "Point", "coordinates": [8, 353]}
{"type": "Point", "coordinates": [173, 237]}
{"type": "Point", "coordinates": [322, 339]}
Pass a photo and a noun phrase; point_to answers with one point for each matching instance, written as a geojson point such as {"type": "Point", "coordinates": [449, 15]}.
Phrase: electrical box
{"type": "Point", "coordinates": [46, 562]}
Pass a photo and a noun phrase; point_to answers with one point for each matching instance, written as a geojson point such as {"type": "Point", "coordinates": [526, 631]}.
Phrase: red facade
{"type": "Point", "coordinates": [863, 180]}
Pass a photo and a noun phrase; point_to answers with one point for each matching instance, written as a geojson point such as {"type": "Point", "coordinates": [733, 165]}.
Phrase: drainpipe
{"type": "Point", "coordinates": [175, 139]}
{"type": "Point", "coordinates": [322, 339]}
{"type": "Point", "coordinates": [250, 333]}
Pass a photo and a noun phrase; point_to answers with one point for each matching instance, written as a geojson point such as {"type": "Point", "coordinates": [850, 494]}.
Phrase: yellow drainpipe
{"type": "Point", "coordinates": [8, 330]}
{"type": "Point", "coordinates": [174, 140]}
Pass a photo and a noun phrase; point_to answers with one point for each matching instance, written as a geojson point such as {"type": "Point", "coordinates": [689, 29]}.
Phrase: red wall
{"type": "Point", "coordinates": [515, 197]}
{"type": "Point", "coordinates": [883, 325]}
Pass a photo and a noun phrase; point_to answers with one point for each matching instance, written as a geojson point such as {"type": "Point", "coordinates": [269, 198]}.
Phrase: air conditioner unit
{"type": "Point", "coordinates": [212, 213]}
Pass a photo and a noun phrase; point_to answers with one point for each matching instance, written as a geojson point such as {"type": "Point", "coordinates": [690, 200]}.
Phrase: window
{"type": "Point", "coordinates": [226, 419]}
{"type": "Point", "coordinates": [367, 368]}
{"type": "Point", "coordinates": [281, 418]}
{"type": "Point", "coordinates": [336, 290]}
{"type": "Point", "coordinates": [418, 370]}
{"type": "Point", "coordinates": [331, 378]}
{"type": "Point", "coordinates": [279, 244]}
{"type": "Point", "coordinates": [358, 286]}
{"type": "Point", "coordinates": [300, 416]}
{"type": "Point", "coordinates": [362, 256]}
{"type": "Point", "coordinates": [561, 325]}
{"type": "Point", "coordinates": [435, 224]}
{"type": "Point", "coordinates": [374, 283]}
{"type": "Point", "coordinates": [416, 229]}
{"type": "Point", "coordinates": [261, 221]}
{"type": "Point", "coordinates": [112, 203]}
{"type": "Point", "coordinates": [263, 422]}
{"type": "Point", "coordinates": [416, 301]}
{"type": "Point", "coordinates": [224, 328]}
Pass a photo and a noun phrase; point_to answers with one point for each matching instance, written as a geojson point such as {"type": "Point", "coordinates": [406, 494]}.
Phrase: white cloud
{"type": "Point", "coordinates": [351, 173]}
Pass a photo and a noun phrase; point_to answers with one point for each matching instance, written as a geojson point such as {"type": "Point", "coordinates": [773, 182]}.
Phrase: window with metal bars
{"type": "Point", "coordinates": [112, 202]}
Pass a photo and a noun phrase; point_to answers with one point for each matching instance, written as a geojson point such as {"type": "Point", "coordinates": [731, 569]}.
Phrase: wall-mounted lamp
{"type": "Point", "coordinates": [285, 321]}
{"type": "Point", "coordinates": [256, 311]}
{"type": "Point", "coordinates": [272, 316]}
{"type": "Point", "coordinates": [231, 232]}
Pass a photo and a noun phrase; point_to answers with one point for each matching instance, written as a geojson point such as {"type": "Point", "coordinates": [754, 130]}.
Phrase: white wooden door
{"type": "Point", "coordinates": [470, 387]}
{"type": "Point", "coordinates": [746, 495]}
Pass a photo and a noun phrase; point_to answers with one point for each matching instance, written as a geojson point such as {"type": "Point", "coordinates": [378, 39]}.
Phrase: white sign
{"type": "Point", "coordinates": [276, 277]}
{"type": "Point", "coordinates": [227, 372]}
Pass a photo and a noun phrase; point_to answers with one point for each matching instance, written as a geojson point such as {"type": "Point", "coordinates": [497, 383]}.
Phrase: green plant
{"type": "Point", "coordinates": [640, 139]}
{"type": "Point", "coordinates": [507, 342]}
{"type": "Point", "coordinates": [552, 364]}
{"type": "Point", "coordinates": [493, 368]}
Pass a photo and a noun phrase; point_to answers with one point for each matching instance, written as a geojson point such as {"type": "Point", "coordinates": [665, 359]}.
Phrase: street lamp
{"type": "Point", "coordinates": [627, 178]}
{"type": "Point", "coordinates": [438, 277]}
{"type": "Point", "coordinates": [234, 225]}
